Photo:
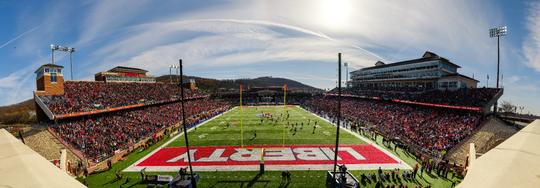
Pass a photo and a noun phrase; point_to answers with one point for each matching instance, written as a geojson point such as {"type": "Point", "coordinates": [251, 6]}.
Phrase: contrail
{"type": "Point", "coordinates": [291, 27]}
{"type": "Point", "coordinates": [296, 28]}
{"type": "Point", "coordinates": [17, 37]}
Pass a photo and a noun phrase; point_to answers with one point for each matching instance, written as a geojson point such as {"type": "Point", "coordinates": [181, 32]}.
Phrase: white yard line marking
{"type": "Point", "coordinates": [401, 162]}
{"type": "Point", "coordinates": [171, 140]}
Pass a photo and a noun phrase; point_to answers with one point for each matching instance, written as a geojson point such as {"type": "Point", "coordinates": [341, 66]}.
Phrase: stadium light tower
{"type": "Point", "coordinates": [64, 49]}
{"type": "Point", "coordinates": [497, 32]}
{"type": "Point", "coordinates": [193, 182]}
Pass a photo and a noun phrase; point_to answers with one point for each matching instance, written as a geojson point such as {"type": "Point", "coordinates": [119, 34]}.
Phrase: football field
{"type": "Point", "coordinates": [226, 153]}
{"type": "Point", "coordinates": [281, 138]}
{"type": "Point", "coordinates": [272, 130]}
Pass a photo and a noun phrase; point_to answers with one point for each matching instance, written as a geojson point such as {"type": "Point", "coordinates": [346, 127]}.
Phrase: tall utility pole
{"type": "Point", "coordinates": [71, 50]}
{"type": "Point", "coordinates": [170, 72]}
{"type": "Point", "coordinates": [346, 64]}
{"type": "Point", "coordinates": [193, 182]}
{"type": "Point", "coordinates": [497, 32]}
{"type": "Point", "coordinates": [53, 47]}
{"type": "Point", "coordinates": [177, 74]}
{"type": "Point", "coordinates": [338, 118]}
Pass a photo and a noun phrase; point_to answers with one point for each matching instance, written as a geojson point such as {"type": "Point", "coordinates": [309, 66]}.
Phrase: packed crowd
{"type": "Point", "coordinates": [477, 97]}
{"type": "Point", "coordinates": [80, 96]}
{"type": "Point", "coordinates": [433, 131]}
{"type": "Point", "coordinates": [99, 137]}
{"type": "Point", "coordinates": [295, 98]}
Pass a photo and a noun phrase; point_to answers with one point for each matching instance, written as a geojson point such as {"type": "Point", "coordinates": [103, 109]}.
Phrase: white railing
{"type": "Point", "coordinates": [43, 107]}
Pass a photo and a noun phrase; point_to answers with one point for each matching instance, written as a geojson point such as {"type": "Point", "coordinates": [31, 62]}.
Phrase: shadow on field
{"type": "Point", "coordinates": [241, 183]}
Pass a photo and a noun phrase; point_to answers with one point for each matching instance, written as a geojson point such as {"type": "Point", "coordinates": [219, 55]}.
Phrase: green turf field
{"type": "Point", "coordinates": [269, 132]}
{"type": "Point", "coordinates": [217, 133]}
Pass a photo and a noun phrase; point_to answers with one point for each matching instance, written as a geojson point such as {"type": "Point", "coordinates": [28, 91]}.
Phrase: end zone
{"type": "Point", "coordinates": [288, 157]}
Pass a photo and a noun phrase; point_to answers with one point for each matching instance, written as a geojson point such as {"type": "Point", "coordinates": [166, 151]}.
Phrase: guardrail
{"type": "Point", "coordinates": [43, 107]}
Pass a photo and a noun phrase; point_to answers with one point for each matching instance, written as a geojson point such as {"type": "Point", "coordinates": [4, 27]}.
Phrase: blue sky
{"type": "Point", "coordinates": [294, 39]}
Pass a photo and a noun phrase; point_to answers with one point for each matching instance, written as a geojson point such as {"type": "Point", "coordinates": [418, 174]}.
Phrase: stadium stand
{"type": "Point", "coordinates": [83, 96]}
{"type": "Point", "coordinates": [100, 137]}
{"type": "Point", "coordinates": [264, 98]}
{"type": "Point", "coordinates": [431, 131]}
{"type": "Point", "coordinates": [468, 97]}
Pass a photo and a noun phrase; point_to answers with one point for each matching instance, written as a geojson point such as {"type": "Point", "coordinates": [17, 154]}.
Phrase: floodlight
{"type": "Point", "coordinates": [63, 49]}
{"type": "Point", "coordinates": [497, 32]}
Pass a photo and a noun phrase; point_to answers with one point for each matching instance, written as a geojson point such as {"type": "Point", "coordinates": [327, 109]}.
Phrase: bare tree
{"type": "Point", "coordinates": [508, 107]}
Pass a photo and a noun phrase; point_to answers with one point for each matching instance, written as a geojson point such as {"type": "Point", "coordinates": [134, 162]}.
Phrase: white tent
{"type": "Point", "coordinates": [21, 166]}
{"type": "Point", "coordinates": [513, 163]}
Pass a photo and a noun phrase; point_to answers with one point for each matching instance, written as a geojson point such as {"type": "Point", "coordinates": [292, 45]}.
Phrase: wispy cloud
{"type": "Point", "coordinates": [531, 46]}
{"type": "Point", "coordinates": [231, 39]}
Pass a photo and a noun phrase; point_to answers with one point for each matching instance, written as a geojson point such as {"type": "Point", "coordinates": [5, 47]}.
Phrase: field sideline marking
{"type": "Point", "coordinates": [402, 163]}
{"type": "Point", "coordinates": [173, 139]}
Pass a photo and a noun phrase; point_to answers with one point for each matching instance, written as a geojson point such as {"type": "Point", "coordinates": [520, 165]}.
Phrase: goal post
{"type": "Point", "coordinates": [241, 118]}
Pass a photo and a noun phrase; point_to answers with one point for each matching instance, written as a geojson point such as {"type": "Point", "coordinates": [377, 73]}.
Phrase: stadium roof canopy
{"type": "Point", "coordinates": [513, 163]}
{"type": "Point", "coordinates": [128, 69]}
{"type": "Point", "coordinates": [21, 166]}
{"type": "Point", "coordinates": [428, 56]}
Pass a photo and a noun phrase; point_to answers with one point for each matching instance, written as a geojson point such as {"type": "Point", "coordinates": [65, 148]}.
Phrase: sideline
{"type": "Point", "coordinates": [133, 168]}
{"type": "Point", "coordinates": [402, 164]}
{"type": "Point", "coordinates": [373, 166]}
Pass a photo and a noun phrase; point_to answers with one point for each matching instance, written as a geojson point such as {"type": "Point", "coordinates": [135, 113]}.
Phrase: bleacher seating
{"type": "Point", "coordinates": [99, 137]}
{"type": "Point", "coordinates": [430, 130]}
{"type": "Point", "coordinates": [81, 96]}
{"type": "Point", "coordinates": [470, 97]}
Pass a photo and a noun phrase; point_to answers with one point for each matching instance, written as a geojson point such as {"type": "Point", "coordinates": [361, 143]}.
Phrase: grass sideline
{"type": "Point", "coordinates": [250, 179]}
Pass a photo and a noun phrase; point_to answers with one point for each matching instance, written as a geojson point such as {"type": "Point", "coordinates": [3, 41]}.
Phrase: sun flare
{"type": "Point", "coordinates": [335, 14]}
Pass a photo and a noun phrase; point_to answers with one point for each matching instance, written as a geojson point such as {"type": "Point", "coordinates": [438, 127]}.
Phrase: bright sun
{"type": "Point", "coordinates": [335, 14]}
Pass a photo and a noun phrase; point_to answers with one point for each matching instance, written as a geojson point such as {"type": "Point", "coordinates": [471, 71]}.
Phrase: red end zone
{"type": "Point", "coordinates": [276, 157]}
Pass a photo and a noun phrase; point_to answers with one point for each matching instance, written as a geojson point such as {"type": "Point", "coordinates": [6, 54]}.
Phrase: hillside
{"type": "Point", "coordinates": [209, 84]}
{"type": "Point", "coordinates": [23, 112]}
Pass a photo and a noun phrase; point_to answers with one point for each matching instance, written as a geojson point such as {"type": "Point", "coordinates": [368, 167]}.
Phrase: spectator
{"type": "Point", "coordinates": [430, 130]}
{"type": "Point", "coordinates": [81, 96]}
{"type": "Point", "coordinates": [100, 137]}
